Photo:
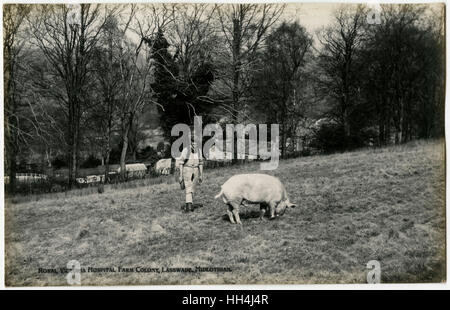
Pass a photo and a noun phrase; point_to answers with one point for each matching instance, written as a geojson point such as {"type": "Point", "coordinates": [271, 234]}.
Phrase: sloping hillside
{"type": "Point", "coordinates": [383, 204]}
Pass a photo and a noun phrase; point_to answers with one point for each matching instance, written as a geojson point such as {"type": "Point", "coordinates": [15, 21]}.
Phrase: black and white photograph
{"type": "Point", "coordinates": [184, 143]}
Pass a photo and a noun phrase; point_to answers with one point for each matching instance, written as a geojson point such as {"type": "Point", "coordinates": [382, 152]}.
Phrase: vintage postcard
{"type": "Point", "coordinates": [223, 143]}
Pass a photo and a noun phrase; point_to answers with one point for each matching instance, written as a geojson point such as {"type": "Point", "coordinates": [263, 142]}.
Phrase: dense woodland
{"type": "Point", "coordinates": [78, 78]}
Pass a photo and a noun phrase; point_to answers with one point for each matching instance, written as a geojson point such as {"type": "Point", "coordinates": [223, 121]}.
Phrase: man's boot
{"type": "Point", "coordinates": [189, 207]}
{"type": "Point", "coordinates": [184, 208]}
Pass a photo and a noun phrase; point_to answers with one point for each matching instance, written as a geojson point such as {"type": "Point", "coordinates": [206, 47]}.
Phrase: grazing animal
{"type": "Point", "coordinates": [163, 166]}
{"type": "Point", "coordinates": [257, 189]}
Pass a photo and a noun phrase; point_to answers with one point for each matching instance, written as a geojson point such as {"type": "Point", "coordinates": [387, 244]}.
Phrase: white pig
{"type": "Point", "coordinates": [257, 189]}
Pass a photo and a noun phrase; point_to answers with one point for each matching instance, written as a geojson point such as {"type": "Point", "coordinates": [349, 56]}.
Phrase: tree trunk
{"type": "Point", "coordinates": [70, 146]}
{"type": "Point", "coordinates": [237, 27]}
{"type": "Point", "coordinates": [123, 157]}
{"type": "Point", "coordinates": [346, 124]}
{"type": "Point", "coordinates": [108, 152]}
{"type": "Point", "coordinates": [11, 125]}
{"type": "Point", "coordinates": [399, 124]}
{"type": "Point", "coordinates": [108, 139]}
{"type": "Point", "coordinates": [73, 141]}
{"type": "Point", "coordinates": [77, 138]}
{"type": "Point", "coordinates": [382, 116]}
{"type": "Point", "coordinates": [283, 139]}
{"type": "Point", "coordinates": [123, 154]}
{"type": "Point", "coordinates": [12, 171]}
{"type": "Point", "coordinates": [406, 124]}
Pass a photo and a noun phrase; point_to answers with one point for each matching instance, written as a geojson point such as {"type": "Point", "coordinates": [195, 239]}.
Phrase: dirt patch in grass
{"type": "Point", "coordinates": [385, 204]}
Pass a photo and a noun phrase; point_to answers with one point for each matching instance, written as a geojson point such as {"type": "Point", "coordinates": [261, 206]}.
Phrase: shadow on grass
{"type": "Point", "coordinates": [246, 215]}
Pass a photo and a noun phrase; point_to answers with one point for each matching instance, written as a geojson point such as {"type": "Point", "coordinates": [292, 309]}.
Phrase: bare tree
{"type": "Point", "coordinates": [135, 65]}
{"type": "Point", "coordinates": [107, 73]}
{"type": "Point", "coordinates": [279, 86]}
{"type": "Point", "coordinates": [193, 36]}
{"type": "Point", "coordinates": [67, 36]}
{"type": "Point", "coordinates": [184, 65]}
{"type": "Point", "coordinates": [244, 28]}
{"type": "Point", "coordinates": [404, 72]}
{"type": "Point", "coordinates": [338, 77]}
{"type": "Point", "coordinates": [13, 17]}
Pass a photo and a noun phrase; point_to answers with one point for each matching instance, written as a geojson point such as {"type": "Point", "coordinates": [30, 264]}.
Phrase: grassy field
{"type": "Point", "coordinates": [385, 204]}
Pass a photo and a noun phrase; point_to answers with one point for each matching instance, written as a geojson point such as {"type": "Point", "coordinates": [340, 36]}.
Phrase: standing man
{"type": "Point", "coordinates": [191, 171]}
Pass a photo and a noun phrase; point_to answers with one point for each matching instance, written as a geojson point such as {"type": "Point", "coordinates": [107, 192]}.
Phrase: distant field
{"type": "Point", "coordinates": [380, 204]}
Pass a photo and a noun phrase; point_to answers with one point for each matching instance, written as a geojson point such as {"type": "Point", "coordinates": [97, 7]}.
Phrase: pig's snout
{"type": "Point", "coordinates": [280, 209]}
{"type": "Point", "coordinates": [280, 213]}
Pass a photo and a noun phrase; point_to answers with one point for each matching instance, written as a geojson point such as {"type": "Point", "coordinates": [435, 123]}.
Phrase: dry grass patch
{"type": "Point", "coordinates": [385, 204]}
